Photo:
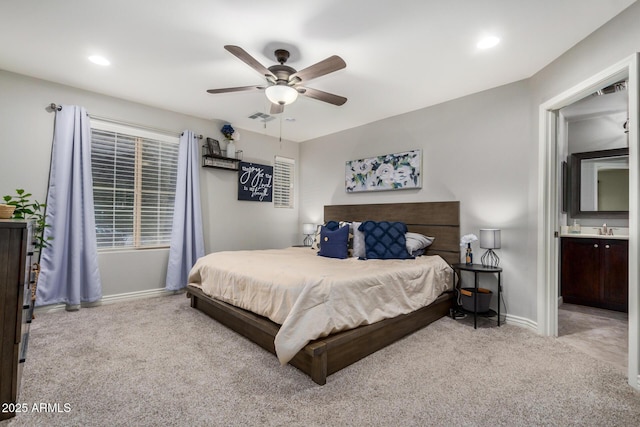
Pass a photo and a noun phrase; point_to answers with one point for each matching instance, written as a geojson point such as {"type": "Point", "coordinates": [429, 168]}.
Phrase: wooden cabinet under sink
{"type": "Point", "coordinates": [595, 272]}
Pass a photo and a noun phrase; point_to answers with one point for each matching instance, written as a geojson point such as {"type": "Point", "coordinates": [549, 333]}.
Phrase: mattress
{"type": "Point", "coordinates": [312, 296]}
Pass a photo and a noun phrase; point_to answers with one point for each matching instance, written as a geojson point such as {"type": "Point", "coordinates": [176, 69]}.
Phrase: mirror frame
{"type": "Point", "coordinates": [574, 184]}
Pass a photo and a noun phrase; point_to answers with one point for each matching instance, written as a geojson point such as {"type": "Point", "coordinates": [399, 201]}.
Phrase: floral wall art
{"type": "Point", "coordinates": [399, 171]}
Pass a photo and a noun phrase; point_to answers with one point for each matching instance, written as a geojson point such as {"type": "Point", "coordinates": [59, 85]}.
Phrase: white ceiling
{"type": "Point", "coordinates": [401, 55]}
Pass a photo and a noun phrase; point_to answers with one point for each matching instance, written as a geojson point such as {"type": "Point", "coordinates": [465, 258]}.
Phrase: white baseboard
{"type": "Point", "coordinates": [109, 299]}
{"type": "Point", "coordinates": [522, 321]}
{"type": "Point", "coordinates": [560, 301]}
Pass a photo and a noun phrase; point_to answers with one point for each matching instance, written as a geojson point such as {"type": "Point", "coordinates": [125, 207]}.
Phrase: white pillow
{"type": "Point", "coordinates": [359, 246]}
{"type": "Point", "coordinates": [416, 241]}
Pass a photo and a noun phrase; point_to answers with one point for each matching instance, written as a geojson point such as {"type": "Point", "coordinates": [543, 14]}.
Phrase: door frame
{"type": "Point", "coordinates": [549, 196]}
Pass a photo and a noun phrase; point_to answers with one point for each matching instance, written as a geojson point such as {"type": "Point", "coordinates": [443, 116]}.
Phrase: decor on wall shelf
{"type": "Point", "coordinates": [399, 171]}
{"type": "Point", "coordinates": [490, 240]}
{"type": "Point", "coordinates": [230, 136]}
{"type": "Point", "coordinates": [219, 162]}
{"type": "Point", "coordinates": [212, 157]}
{"type": "Point", "coordinates": [227, 130]}
{"type": "Point", "coordinates": [467, 239]}
{"type": "Point", "coordinates": [255, 182]}
{"type": "Point", "coordinates": [212, 147]}
{"type": "Point", "coordinates": [231, 149]}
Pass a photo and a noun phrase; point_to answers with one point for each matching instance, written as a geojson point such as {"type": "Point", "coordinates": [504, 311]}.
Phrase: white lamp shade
{"type": "Point", "coordinates": [281, 94]}
{"type": "Point", "coordinates": [308, 228]}
{"type": "Point", "coordinates": [490, 238]}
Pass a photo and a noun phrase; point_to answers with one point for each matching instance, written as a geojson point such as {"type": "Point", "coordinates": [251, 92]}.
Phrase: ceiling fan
{"type": "Point", "coordinates": [284, 83]}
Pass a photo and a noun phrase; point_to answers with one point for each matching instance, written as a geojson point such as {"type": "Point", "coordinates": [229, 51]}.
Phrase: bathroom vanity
{"type": "Point", "coordinates": [594, 269]}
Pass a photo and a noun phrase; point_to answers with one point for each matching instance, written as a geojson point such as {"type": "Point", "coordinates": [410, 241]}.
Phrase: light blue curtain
{"type": "Point", "coordinates": [187, 241]}
{"type": "Point", "coordinates": [69, 265]}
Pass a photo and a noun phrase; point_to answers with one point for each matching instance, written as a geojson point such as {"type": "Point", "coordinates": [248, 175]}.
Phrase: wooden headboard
{"type": "Point", "coordinates": [438, 219]}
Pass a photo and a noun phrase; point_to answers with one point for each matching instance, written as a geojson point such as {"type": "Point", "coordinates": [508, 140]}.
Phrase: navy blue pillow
{"type": "Point", "coordinates": [332, 225]}
{"type": "Point", "coordinates": [385, 240]}
{"type": "Point", "coordinates": [333, 243]}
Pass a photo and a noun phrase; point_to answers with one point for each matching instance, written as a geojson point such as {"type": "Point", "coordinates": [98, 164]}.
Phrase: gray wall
{"type": "Point", "coordinates": [25, 144]}
{"type": "Point", "coordinates": [474, 149]}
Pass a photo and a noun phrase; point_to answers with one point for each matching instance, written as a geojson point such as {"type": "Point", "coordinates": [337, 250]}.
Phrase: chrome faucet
{"type": "Point", "coordinates": [604, 231]}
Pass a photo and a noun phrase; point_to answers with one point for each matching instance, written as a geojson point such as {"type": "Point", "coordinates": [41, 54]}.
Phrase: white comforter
{"type": "Point", "coordinates": [312, 296]}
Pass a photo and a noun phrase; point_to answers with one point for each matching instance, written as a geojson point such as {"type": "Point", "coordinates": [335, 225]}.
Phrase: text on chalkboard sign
{"type": "Point", "coordinates": [255, 182]}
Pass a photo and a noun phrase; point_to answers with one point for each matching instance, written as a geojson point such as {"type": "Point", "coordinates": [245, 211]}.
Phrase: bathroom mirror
{"type": "Point", "coordinates": [599, 184]}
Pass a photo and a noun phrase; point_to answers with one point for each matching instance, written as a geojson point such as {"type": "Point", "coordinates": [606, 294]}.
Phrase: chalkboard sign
{"type": "Point", "coordinates": [255, 182]}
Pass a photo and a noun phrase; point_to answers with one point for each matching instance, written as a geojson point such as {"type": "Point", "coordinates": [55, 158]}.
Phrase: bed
{"type": "Point", "coordinates": [326, 355]}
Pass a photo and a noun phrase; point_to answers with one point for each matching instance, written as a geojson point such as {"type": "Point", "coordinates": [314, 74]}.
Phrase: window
{"type": "Point", "coordinates": [283, 182]}
{"type": "Point", "coordinates": [134, 183]}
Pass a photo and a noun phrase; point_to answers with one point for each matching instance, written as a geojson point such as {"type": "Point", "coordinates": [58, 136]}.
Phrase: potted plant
{"type": "Point", "coordinates": [25, 208]}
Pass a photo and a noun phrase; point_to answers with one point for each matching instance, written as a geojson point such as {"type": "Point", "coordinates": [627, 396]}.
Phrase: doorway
{"type": "Point", "coordinates": [550, 174]}
{"type": "Point", "coordinates": [588, 131]}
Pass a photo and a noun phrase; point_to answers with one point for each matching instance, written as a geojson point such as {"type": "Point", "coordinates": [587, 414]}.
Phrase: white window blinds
{"type": "Point", "coordinates": [283, 173]}
{"type": "Point", "coordinates": [134, 181]}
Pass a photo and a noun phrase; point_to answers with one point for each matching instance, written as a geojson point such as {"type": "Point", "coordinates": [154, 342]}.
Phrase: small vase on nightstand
{"type": "Point", "coordinates": [468, 259]}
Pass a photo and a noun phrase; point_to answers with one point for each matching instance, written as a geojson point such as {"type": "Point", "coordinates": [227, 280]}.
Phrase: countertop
{"type": "Point", "coordinates": [619, 233]}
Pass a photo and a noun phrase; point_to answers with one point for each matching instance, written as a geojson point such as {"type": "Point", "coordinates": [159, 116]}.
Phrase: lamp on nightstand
{"type": "Point", "coordinates": [490, 240]}
{"type": "Point", "coordinates": [308, 230]}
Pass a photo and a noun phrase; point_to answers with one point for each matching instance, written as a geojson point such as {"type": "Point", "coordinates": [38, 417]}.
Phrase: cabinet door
{"type": "Point", "coordinates": [615, 274]}
{"type": "Point", "coordinates": [580, 270]}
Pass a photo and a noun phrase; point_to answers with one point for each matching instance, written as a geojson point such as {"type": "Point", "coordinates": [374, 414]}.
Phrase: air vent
{"type": "Point", "coordinates": [262, 117]}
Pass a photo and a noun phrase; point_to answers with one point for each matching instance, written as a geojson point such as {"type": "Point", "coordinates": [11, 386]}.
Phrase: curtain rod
{"type": "Point", "coordinates": [56, 107]}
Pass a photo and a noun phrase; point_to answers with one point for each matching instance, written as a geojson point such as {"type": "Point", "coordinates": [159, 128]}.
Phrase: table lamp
{"type": "Point", "coordinates": [490, 240]}
{"type": "Point", "coordinates": [308, 230]}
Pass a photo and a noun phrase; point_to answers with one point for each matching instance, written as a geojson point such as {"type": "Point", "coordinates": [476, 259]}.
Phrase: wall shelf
{"type": "Point", "coordinates": [219, 162]}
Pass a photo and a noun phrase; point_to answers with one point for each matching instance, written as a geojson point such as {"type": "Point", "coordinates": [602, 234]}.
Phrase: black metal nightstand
{"type": "Point", "coordinates": [477, 269]}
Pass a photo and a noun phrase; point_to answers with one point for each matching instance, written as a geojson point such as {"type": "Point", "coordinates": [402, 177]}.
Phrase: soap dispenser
{"type": "Point", "coordinates": [575, 228]}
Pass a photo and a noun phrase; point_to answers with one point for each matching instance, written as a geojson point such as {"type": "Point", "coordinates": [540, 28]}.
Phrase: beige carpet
{"type": "Point", "coordinates": [158, 362]}
{"type": "Point", "coordinates": [602, 334]}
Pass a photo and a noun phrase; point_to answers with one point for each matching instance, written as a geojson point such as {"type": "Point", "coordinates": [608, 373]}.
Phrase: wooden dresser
{"type": "Point", "coordinates": [16, 308]}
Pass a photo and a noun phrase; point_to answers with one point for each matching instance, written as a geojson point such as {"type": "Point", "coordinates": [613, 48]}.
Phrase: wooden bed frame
{"type": "Point", "coordinates": [325, 356]}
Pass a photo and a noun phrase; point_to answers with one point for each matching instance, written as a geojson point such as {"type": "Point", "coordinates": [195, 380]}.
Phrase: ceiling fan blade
{"type": "Point", "coordinates": [235, 89]}
{"type": "Point", "coordinates": [322, 96]}
{"type": "Point", "coordinates": [329, 65]}
{"type": "Point", "coordinates": [242, 55]}
{"type": "Point", "coordinates": [276, 109]}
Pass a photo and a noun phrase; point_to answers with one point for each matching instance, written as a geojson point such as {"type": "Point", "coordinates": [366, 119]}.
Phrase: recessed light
{"type": "Point", "coordinates": [100, 60]}
{"type": "Point", "coordinates": [488, 42]}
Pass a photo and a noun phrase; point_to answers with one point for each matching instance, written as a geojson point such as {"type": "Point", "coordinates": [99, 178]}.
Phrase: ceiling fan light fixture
{"type": "Point", "coordinates": [281, 94]}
